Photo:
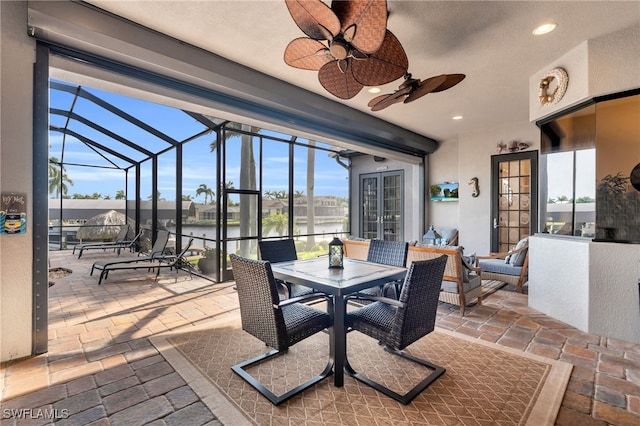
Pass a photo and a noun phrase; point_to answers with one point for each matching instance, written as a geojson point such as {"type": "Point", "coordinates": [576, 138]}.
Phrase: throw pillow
{"type": "Point", "coordinates": [470, 259]}
{"type": "Point", "coordinates": [517, 259]}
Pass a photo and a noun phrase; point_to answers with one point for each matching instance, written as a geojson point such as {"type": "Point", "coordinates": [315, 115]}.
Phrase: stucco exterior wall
{"type": "Point", "coordinates": [559, 278]}
{"type": "Point", "coordinates": [17, 56]}
{"type": "Point", "coordinates": [591, 286]}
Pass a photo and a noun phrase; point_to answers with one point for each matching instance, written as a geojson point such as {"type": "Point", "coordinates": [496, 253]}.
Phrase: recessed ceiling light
{"type": "Point", "coordinates": [456, 117]}
{"type": "Point", "coordinates": [374, 90]}
{"type": "Point", "coordinates": [544, 28]}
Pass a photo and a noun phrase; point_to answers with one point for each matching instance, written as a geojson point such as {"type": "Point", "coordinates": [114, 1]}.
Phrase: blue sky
{"type": "Point", "coordinates": [330, 178]}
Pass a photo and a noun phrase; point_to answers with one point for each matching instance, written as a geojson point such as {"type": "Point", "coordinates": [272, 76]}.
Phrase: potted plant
{"type": "Point", "coordinates": [207, 264]}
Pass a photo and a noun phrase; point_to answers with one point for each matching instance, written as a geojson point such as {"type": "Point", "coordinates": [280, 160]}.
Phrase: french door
{"type": "Point", "coordinates": [514, 198]}
{"type": "Point", "coordinates": [381, 205]}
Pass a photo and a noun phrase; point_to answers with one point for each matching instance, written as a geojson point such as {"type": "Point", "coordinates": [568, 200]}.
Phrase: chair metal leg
{"type": "Point", "coordinates": [239, 369]}
{"type": "Point", "coordinates": [103, 275]}
{"type": "Point", "coordinates": [437, 371]}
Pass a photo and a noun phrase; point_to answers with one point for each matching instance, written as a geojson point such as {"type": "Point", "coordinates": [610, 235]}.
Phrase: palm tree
{"type": "Point", "coordinates": [275, 222]}
{"type": "Point", "coordinates": [57, 178]}
{"type": "Point", "coordinates": [158, 197]}
{"type": "Point", "coordinates": [204, 189]}
{"type": "Point", "coordinates": [120, 195]}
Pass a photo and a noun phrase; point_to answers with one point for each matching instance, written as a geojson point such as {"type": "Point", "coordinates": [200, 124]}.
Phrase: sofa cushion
{"type": "Point", "coordinates": [498, 266]}
{"type": "Point", "coordinates": [452, 286]}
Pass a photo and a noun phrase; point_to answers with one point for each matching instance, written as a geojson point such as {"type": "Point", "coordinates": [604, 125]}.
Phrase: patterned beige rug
{"type": "Point", "coordinates": [485, 384]}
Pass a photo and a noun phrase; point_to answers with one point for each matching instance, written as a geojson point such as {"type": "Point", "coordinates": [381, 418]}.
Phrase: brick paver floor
{"type": "Point", "coordinates": [101, 368]}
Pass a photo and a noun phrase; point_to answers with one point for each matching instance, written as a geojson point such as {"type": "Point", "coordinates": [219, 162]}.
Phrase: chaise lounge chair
{"type": "Point", "coordinates": [158, 262]}
{"type": "Point", "coordinates": [157, 250]}
{"type": "Point", "coordinates": [117, 244]}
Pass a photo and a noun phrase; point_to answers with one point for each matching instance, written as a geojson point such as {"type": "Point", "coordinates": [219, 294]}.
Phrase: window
{"type": "Point", "coordinates": [587, 159]}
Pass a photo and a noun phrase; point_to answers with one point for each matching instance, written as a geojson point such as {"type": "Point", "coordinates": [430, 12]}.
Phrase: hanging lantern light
{"type": "Point", "coordinates": [336, 254]}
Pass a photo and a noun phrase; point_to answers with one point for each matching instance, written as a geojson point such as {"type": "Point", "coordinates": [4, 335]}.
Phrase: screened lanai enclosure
{"type": "Point", "coordinates": [225, 184]}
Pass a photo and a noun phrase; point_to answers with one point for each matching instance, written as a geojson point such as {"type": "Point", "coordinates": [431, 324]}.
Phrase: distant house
{"type": "Point", "coordinates": [78, 211]}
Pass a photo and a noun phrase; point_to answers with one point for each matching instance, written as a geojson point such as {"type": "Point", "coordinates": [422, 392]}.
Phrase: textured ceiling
{"type": "Point", "coordinates": [490, 42]}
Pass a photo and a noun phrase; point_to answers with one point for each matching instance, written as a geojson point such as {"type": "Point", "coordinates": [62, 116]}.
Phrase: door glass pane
{"type": "Point", "coordinates": [392, 213]}
{"type": "Point", "coordinates": [513, 202]}
{"type": "Point", "coordinates": [369, 192]}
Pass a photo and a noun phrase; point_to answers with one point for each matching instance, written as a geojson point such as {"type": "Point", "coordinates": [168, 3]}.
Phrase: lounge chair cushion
{"type": "Point", "coordinates": [499, 266]}
{"type": "Point", "coordinates": [452, 286]}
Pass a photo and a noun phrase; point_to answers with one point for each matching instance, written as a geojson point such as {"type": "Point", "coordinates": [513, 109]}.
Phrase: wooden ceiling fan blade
{"type": "Point", "coordinates": [369, 18]}
{"type": "Point", "coordinates": [338, 83]}
{"type": "Point", "coordinates": [305, 53]}
{"type": "Point", "coordinates": [389, 63]}
{"type": "Point", "coordinates": [314, 18]}
{"type": "Point", "coordinates": [377, 99]}
{"type": "Point", "coordinates": [452, 80]}
{"type": "Point", "coordinates": [388, 100]}
{"type": "Point", "coordinates": [427, 86]}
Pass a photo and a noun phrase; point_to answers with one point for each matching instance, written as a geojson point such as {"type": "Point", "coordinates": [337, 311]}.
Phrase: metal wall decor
{"type": "Point", "coordinates": [475, 189]}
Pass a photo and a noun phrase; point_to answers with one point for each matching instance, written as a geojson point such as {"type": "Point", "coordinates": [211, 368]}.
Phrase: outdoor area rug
{"type": "Point", "coordinates": [485, 384]}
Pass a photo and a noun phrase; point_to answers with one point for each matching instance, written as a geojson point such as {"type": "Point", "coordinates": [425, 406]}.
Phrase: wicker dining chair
{"type": "Point", "coordinates": [397, 324]}
{"type": "Point", "coordinates": [282, 251]}
{"type": "Point", "coordinates": [279, 325]}
{"type": "Point", "coordinates": [392, 253]}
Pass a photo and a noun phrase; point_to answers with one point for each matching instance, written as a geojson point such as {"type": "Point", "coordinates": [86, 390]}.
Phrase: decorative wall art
{"type": "Point", "coordinates": [447, 191]}
{"type": "Point", "coordinates": [512, 146]}
{"type": "Point", "coordinates": [475, 189]}
{"type": "Point", "coordinates": [13, 213]}
{"type": "Point", "coordinates": [561, 78]}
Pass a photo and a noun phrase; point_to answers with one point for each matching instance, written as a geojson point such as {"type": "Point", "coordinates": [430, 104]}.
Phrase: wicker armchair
{"type": "Point", "coordinates": [398, 323]}
{"type": "Point", "coordinates": [278, 324]}
{"type": "Point", "coordinates": [356, 249]}
{"type": "Point", "coordinates": [282, 251]}
{"type": "Point", "coordinates": [461, 283]}
{"type": "Point", "coordinates": [511, 267]}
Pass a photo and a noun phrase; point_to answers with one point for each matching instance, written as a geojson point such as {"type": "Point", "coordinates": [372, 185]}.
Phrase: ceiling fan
{"type": "Point", "coordinates": [412, 89]}
{"type": "Point", "coordinates": [348, 44]}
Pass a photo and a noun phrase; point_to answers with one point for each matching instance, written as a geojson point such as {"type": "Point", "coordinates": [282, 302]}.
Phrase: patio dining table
{"type": "Point", "coordinates": [338, 283]}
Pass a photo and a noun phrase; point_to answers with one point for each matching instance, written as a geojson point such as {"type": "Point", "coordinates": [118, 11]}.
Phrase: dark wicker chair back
{"type": "Point", "coordinates": [283, 251]}
{"type": "Point", "coordinates": [392, 253]}
{"type": "Point", "coordinates": [278, 250]}
{"type": "Point", "coordinates": [420, 293]}
{"type": "Point", "coordinates": [258, 296]}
